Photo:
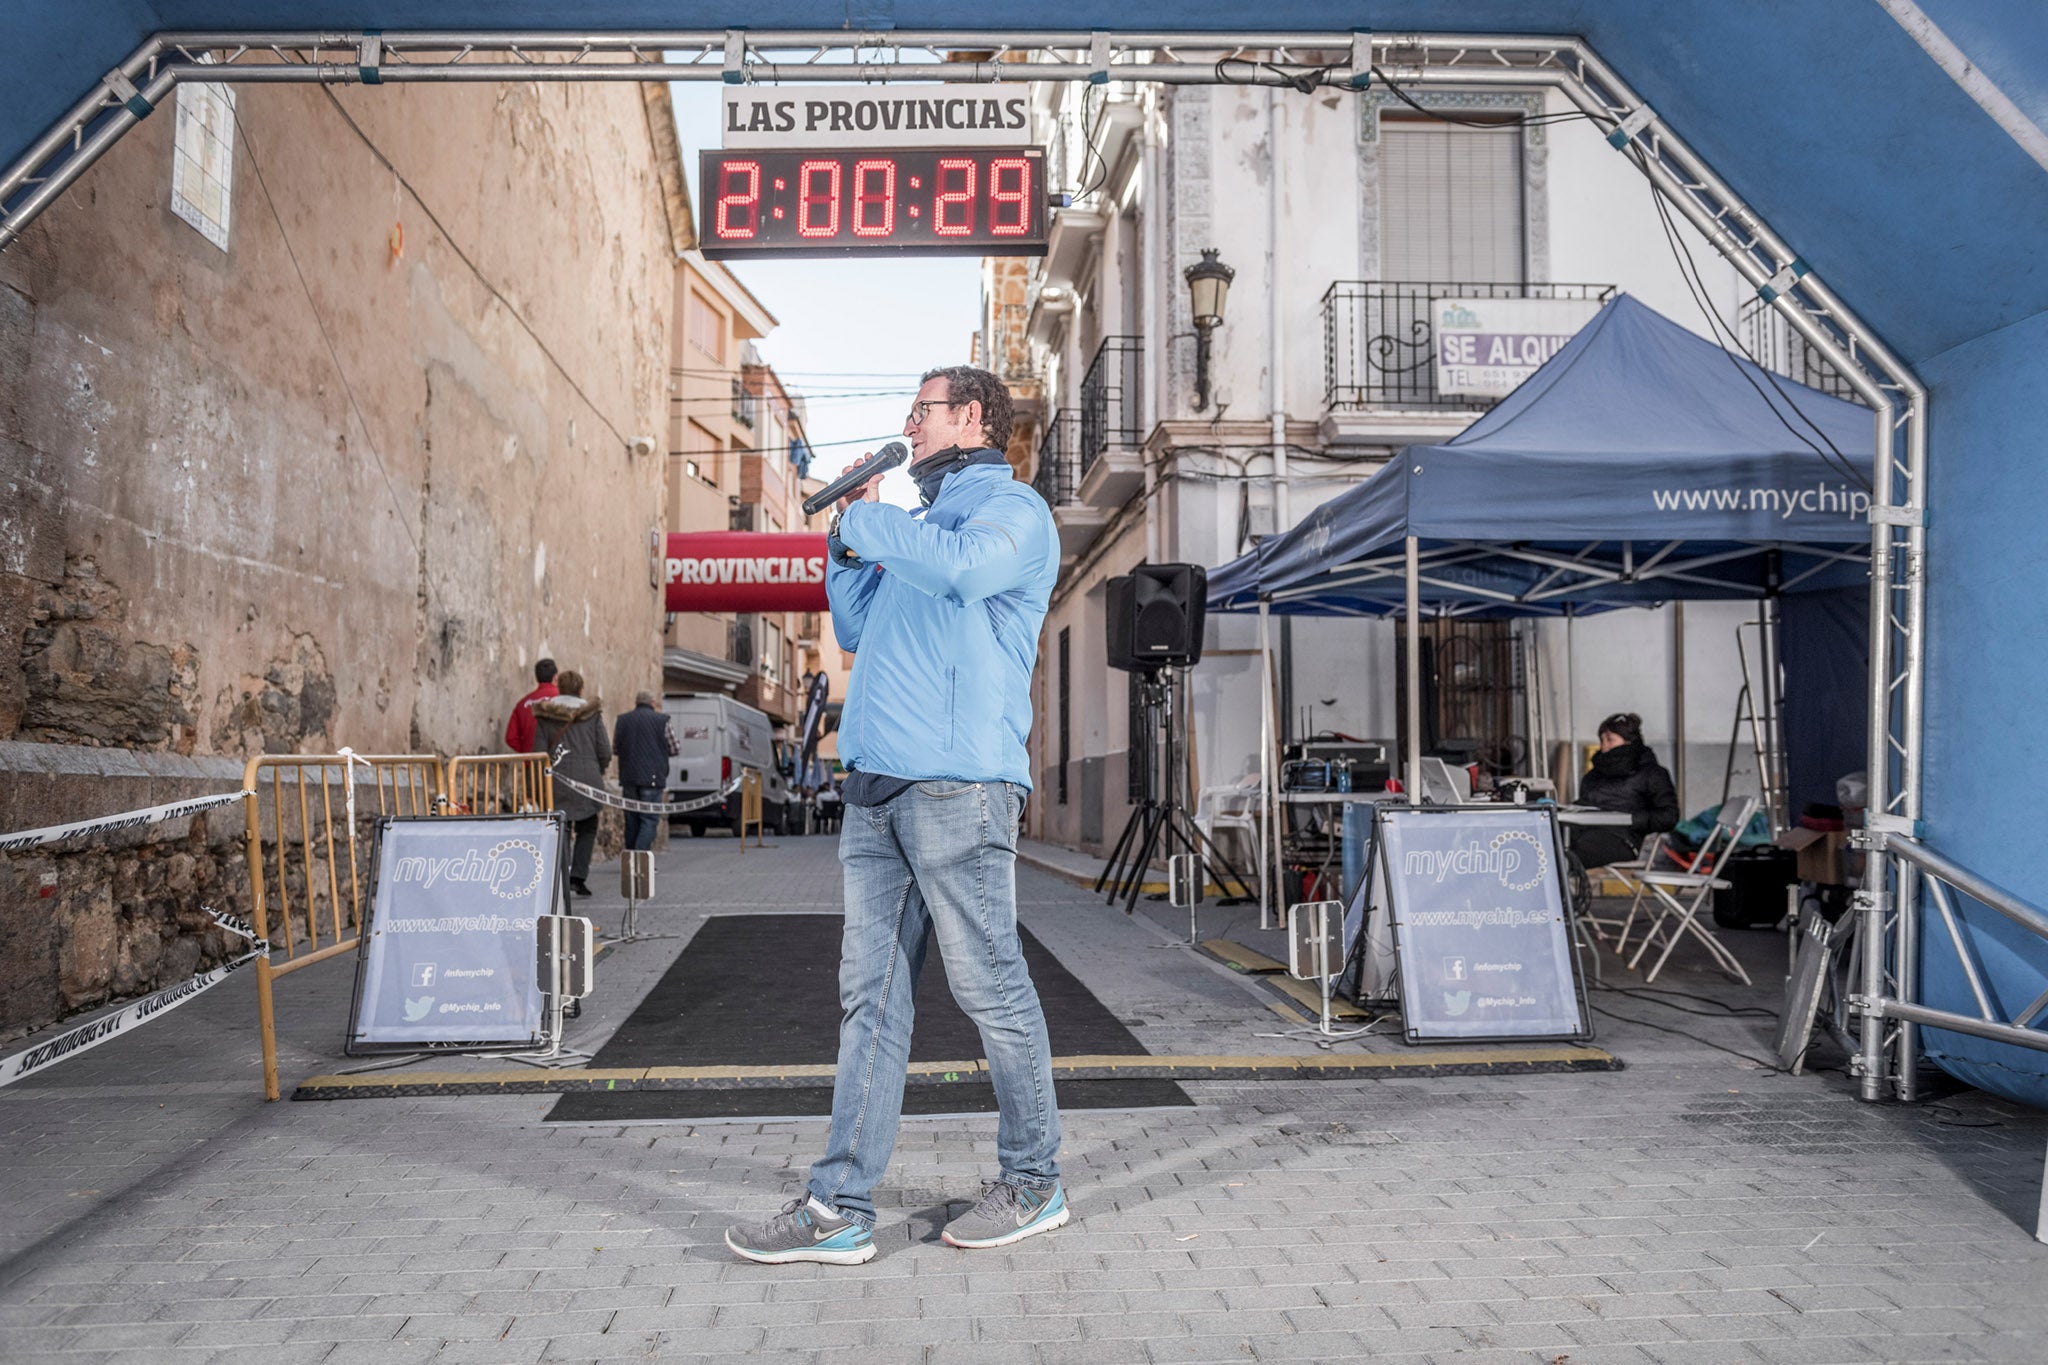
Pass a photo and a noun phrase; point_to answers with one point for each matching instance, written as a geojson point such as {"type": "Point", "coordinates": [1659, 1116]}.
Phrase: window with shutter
{"type": "Point", "coordinates": [1451, 201]}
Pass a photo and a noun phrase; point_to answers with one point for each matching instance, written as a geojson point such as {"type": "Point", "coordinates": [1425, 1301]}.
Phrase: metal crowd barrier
{"type": "Point", "coordinates": [316, 878]}
{"type": "Point", "coordinates": [1942, 877]}
{"type": "Point", "coordinates": [1894, 995]}
{"type": "Point", "coordinates": [498, 784]}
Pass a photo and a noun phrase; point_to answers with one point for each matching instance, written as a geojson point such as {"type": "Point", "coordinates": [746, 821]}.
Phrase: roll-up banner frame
{"type": "Point", "coordinates": [1482, 924]}
{"type": "Point", "coordinates": [445, 959]}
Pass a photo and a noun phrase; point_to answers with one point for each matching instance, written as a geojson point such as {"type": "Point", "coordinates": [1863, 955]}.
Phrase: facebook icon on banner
{"type": "Point", "coordinates": [423, 974]}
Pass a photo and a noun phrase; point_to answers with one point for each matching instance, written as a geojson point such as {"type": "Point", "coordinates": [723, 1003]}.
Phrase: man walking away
{"type": "Point", "coordinates": [942, 609]}
{"type": "Point", "coordinates": [571, 731]}
{"type": "Point", "coordinates": [519, 729]}
{"type": "Point", "coordinates": [644, 742]}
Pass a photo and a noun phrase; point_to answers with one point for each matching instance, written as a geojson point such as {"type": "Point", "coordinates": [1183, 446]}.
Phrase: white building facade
{"type": "Point", "coordinates": [1343, 214]}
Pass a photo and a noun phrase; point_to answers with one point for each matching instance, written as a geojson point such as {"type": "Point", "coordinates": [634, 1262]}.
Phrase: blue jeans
{"type": "Point", "coordinates": [641, 829]}
{"type": "Point", "coordinates": [941, 857]}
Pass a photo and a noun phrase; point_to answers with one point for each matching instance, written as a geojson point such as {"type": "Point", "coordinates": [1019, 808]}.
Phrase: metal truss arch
{"type": "Point", "coordinates": [1781, 278]}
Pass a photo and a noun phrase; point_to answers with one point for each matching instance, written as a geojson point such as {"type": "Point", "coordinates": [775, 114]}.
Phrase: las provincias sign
{"type": "Point", "coordinates": [763, 118]}
{"type": "Point", "coordinates": [745, 571]}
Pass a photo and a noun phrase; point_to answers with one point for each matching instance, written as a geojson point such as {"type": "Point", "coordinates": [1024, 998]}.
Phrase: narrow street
{"type": "Point", "coordinates": [1693, 1206]}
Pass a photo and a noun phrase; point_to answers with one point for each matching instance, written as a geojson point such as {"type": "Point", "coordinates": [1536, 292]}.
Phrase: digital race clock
{"type": "Point", "coordinates": [923, 201]}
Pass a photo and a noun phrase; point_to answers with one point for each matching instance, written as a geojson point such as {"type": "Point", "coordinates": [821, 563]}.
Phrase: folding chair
{"type": "Point", "coordinates": [1700, 860]}
{"type": "Point", "coordinates": [1627, 873]}
{"type": "Point", "coordinates": [1681, 896]}
{"type": "Point", "coordinates": [1220, 810]}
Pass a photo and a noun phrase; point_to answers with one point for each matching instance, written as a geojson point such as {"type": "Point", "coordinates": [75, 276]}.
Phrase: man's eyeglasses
{"type": "Point", "coordinates": [923, 407]}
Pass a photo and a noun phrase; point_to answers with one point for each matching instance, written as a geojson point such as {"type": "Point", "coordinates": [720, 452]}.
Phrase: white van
{"type": "Point", "coordinates": [718, 736]}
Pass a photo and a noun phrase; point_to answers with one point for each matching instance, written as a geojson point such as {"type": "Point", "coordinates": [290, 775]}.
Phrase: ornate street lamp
{"type": "Point", "coordinates": [1208, 286]}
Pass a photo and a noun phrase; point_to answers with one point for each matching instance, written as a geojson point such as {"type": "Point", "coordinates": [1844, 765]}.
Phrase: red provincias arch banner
{"type": "Point", "coordinates": [745, 571]}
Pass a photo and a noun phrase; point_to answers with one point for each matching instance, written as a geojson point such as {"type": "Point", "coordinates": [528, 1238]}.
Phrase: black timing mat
{"type": "Point", "coordinates": [763, 990]}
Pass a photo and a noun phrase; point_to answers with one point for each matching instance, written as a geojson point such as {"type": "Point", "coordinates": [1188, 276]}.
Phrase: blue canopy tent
{"type": "Point", "coordinates": [1640, 464]}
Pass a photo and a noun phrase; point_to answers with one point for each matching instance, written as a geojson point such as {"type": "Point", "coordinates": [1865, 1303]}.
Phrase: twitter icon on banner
{"type": "Point", "coordinates": [416, 1010]}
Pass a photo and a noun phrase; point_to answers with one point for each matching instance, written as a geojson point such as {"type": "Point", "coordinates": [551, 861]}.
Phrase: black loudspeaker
{"type": "Point", "coordinates": [1155, 615]}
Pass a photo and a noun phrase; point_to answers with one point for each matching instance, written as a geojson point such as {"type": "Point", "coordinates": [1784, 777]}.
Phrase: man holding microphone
{"type": "Point", "coordinates": [942, 609]}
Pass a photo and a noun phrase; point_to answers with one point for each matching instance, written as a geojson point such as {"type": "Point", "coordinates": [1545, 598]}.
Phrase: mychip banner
{"type": "Point", "coordinates": [447, 958]}
{"type": "Point", "coordinates": [1481, 929]}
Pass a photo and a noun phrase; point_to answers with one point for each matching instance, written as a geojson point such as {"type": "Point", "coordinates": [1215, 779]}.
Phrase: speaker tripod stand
{"type": "Point", "coordinates": [1155, 824]}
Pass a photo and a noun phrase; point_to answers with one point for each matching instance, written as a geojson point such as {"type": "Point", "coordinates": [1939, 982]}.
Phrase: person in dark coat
{"type": "Point", "coordinates": [644, 741]}
{"type": "Point", "coordinates": [572, 731]}
{"type": "Point", "coordinates": [1625, 777]}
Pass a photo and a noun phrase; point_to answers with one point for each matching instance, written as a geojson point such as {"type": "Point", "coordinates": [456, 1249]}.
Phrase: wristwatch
{"type": "Point", "coordinates": [836, 548]}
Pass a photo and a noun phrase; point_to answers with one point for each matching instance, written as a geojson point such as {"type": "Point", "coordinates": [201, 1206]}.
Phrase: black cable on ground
{"type": "Point", "coordinates": [1649, 996]}
{"type": "Point", "coordinates": [1689, 1037]}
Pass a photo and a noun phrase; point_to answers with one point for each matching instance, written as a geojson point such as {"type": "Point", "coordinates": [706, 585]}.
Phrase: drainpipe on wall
{"type": "Point", "coordinates": [1152, 226]}
{"type": "Point", "coordinates": [1276, 367]}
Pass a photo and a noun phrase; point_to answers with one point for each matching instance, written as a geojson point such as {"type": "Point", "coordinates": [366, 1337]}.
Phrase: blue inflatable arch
{"type": "Point", "coordinates": [1878, 168]}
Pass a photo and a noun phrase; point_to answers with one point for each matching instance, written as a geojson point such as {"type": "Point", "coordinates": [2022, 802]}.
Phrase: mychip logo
{"type": "Point", "coordinates": [510, 869]}
{"type": "Point", "coordinates": [1514, 857]}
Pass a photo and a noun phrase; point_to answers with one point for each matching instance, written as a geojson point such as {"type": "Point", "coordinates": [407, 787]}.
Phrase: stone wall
{"type": "Point", "coordinates": [338, 484]}
{"type": "Point", "coordinates": [113, 915]}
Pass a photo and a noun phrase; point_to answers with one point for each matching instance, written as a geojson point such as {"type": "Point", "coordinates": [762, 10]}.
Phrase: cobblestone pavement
{"type": "Point", "coordinates": [1696, 1206]}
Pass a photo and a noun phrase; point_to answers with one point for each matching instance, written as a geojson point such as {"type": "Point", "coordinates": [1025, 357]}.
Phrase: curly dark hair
{"type": "Point", "coordinates": [965, 384]}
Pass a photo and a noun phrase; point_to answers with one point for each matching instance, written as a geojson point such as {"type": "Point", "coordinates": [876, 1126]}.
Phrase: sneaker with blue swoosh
{"type": "Point", "coordinates": [805, 1230]}
{"type": "Point", "coordinates": [1007, 1213]}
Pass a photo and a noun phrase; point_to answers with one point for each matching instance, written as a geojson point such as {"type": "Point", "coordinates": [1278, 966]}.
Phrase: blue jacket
{"type": "Point", "coordinates": [943, 617]}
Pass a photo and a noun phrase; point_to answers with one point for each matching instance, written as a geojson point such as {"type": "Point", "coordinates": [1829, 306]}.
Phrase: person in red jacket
{"type": "Point", "coordinates": [519, 729]}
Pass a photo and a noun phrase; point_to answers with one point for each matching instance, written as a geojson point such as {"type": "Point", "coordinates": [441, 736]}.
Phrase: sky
{"type": "Point", "coordinates": [848, 328]}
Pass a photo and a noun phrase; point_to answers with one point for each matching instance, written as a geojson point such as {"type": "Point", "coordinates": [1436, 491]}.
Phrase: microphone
{"type": "Point", "coordinates": [891, 455]}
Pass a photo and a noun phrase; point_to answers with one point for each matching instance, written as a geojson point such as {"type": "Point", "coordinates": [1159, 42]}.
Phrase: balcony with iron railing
{"type": "Point", "coordinates": [1088, 136]}
{"type": "Point", "coordinates": [1058, 475]}
{"type": "Point", "coordinates": [1112, 423]}
{"type": "Point", "coordinates": [1777, 346]}
{"type": "Point", "coordinates": [1380, 346]}
{"type": "Point", "coordinates": [1110, 400]}
{"type": "Point", "coordinates": [1058, 480]}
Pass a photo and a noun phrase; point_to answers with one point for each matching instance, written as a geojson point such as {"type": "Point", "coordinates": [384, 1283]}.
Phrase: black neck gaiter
{"type": "Point", "coordinates": [931, 471]}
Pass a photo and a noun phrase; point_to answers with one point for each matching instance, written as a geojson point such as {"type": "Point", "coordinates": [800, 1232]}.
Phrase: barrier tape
{"type": "Point", "coordinates": [93, 1032]}
{"type": "Point", "coordinates": [606, 798]}
{"type": "Point", "coordinates": [51, 834]}
{"type": "Point", "coordinates": [349, 759]}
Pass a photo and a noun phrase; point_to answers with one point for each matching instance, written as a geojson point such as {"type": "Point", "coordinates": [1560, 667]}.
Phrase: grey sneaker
{"type": "Point", "coordinates": [805, 1230]}
{"type": "Point", "coordinates": [1007, 1213]}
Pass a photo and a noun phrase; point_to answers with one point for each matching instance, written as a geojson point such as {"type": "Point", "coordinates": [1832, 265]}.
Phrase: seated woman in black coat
{"type": "Point", "coordinates": [1625, 777]}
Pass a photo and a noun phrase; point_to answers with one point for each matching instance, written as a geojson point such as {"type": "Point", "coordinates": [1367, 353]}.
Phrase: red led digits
{"type": "Point", "coordinates": [739, 210]}
{"type": "Point", "coordinates": [1000, 200]}
{"type": "Point", "coordinates": [809, 199]}
{"type": "Point", "coordinates": [873, 201]}
{"type": "Point", "coordinates": [963, 199]}
{"type": "Point", "coordinates": [866, 199]}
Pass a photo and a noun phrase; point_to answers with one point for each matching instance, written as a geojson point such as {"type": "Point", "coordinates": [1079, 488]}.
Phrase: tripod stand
{"type": "Point", "coordinates": [1155, 825]}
